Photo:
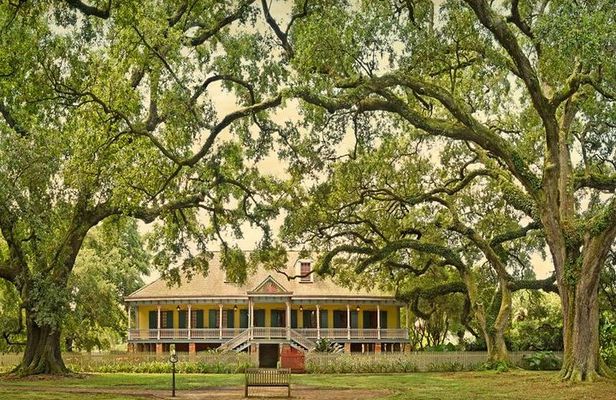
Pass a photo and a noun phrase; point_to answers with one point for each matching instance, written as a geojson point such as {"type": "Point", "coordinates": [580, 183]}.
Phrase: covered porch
{"type": "Point", "coordinates": [265, 318]}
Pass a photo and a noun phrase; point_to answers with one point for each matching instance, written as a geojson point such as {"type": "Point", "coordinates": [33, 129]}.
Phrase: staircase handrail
{"type": "Point", "coordinates": [236, 340]}
{"type": "Point", "coordinates": [308, 344]}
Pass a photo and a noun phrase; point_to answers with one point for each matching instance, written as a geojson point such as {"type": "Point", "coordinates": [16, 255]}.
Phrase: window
{"type": "Point", "coordinates": [305, 272]}
{"type": "Point", "coordinates": [166, 319]}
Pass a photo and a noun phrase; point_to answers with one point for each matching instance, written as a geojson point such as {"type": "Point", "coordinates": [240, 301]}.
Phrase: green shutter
{"type": "Point", "coordinates": [294, 319]}
{"type": "Point", "coordinates": [354, 320]}
{"type": "Point", "coordinates": [243, 318]}
{"type": "Point", "coordinates": [169, 319]}
{"type": "Point", "coordinates": [212, 320]}
{"type": "Point", "coordinates": [182, 321]}
{"type": "Point", "coordinates": [230, 319]}
{"type": "Point", "coordinates": [367, 321]}
{"type": "Point", "coordinates": [153, 317]}
{"type": "Point", "coordinates": [200, 320]}
{"type": "Point", "coordinates": [383, 319]}
{"type": "Point", "coordinates": [324, 319]}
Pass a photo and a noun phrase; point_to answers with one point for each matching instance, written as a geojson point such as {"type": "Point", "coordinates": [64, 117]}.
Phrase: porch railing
{"type": "Point", "coordinates": [343, 333]}
{"type": "Point", "coordinates": [268, 333]}
{"type": "Point", "coordinates": [184, 334]}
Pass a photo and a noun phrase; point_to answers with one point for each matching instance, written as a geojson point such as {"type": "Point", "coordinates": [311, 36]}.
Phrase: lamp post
{"type": "Point", "coordinates": [173, 360]}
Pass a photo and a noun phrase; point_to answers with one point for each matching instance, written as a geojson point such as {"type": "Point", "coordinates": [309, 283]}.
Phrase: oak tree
{"type": "Point", "coordinates": [427, 231]}
{"type": "Point", "coordinates": [149, 110]}
{"type": "Point", "coordinates": [529, 82]}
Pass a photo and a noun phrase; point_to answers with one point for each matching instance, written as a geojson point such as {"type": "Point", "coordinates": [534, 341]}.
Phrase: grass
{"type": "Point", "coordinates": [6, 393]}
{"type": "Point", "coordinates": [135, 381]}
{"type": "Point", "coordinates": [417, 386]}
{"type": "Point", "coordinates": [473, 385]}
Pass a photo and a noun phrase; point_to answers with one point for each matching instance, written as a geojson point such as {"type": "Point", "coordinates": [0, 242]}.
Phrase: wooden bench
{"type": "Point", "coordinates": [270, 377]}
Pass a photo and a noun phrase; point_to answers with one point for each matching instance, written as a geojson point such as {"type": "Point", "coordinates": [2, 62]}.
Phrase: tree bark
{"type": "Point", "coordinates": [582, 360]}
{"type": "Point", "coordinates": [498, 350]}
{"type": "Point", "coordinates": [42, 354]}
{"type": "Point", "coordinates": [493, 333]}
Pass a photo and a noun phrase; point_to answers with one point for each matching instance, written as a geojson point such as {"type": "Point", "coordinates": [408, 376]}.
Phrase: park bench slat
{"type": "Point", "coordinates": [260, 377]}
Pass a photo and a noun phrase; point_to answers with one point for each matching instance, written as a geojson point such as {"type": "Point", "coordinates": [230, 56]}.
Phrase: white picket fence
{"type": "Point", "coordinates": [8, 360]}
{"type": "Point", "coordinates": [422, 361]}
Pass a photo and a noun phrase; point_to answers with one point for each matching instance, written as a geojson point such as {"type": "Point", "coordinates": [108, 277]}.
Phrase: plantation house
{"type": "Point", "coordinates": [263, 314]}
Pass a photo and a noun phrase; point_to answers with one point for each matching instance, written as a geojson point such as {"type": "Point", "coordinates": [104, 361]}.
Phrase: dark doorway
{"type": "Point", "coordinates": [259, 316]}
{"type": "Point", "coordinates": [268, 355]}
{"type": "Point", "coordinates": [310, 319]}
{"type": "Point", "coordinates": [340, 319]}
{"type": "Point", "coordinates": [243, 318]}
{"type": "Point", "coordinates": [278, 319]}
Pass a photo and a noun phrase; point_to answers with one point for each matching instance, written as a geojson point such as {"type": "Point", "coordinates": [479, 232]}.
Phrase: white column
{"type": "Point", "coordinates": [158, 325]}
{"type": "Point", "coordinates": [129, 318]}
{"type": "Point", "coordinates": [189, 311]}
{"type": "Point", "coordinates": [220, 321]}
{"type": "Point", "coordinates": [288, 320]}
{"type": "Point", "coordinates": [348, 322]}
{"type": "Point", "coordinates": [378, 321]}
{"type": "Point", "coordinates": [318, 322]}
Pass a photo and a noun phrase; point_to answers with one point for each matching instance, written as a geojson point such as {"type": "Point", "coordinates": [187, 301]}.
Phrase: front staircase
{"type": "Point", "coordinates": [301, 342]}
{"type": "Point", "coordinates": [245, 338]}
{"type": "Point", "coordinates": [237, 343]}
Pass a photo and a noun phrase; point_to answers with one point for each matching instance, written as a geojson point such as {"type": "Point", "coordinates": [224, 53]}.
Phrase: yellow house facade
{"type": "Point", "coordinates": [266, 312]}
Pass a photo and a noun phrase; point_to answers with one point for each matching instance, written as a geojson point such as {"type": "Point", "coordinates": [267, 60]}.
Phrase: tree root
{"type": "Point", "coordinates": [605, 371]}
{"type": "Point", "coordinates": [42, 367]}
{"type": "Point", "coordinates": [573, 373]}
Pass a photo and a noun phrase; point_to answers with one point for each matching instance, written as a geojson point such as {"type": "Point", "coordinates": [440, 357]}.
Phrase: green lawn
{"type": "Point", "coordinates": [6, 393]}
{"type": "Point", "coordinates": [417, 386]}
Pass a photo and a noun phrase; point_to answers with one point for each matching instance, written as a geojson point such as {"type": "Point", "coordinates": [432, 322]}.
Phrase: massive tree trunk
{"type": "Point", "coordinates": [582, 360]}
{"type": "Point", "coordinates": [492, 329]}
{"type": "Point", "coordinates": [42, 354]}
{"type": "Point", "coordinates": [498, 349]}
{"type": "Point", "coordinates": [494, 335]}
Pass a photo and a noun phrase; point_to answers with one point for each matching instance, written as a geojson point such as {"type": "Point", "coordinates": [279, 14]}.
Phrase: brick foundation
{"type": "Point", "coordinates": [377, 347]}
{"type": "Point", "coordinates": [292, 358]}
{"type": "Point", "coordinates": [159, 348]}
{"type": "Point", "coordinates": [192, 349]}
{"type": "Point", "coordinates": [347, 347]}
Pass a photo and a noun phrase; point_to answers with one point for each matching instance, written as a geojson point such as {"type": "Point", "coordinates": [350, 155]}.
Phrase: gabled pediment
{"type": "Point", "coordinates": [269, 286]}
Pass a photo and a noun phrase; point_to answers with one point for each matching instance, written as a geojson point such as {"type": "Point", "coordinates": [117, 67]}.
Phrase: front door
{"type": "Point", "coordinates": [268, 355]}
{"type": "Point", "coordinates": [259, 316]}
{"type": "Point", "coordinates": [278, 318]}
{"type": "Point", "coordinates": [340, 319]}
